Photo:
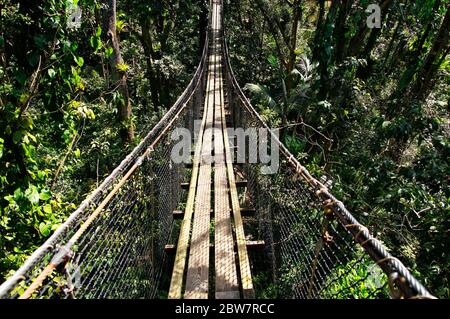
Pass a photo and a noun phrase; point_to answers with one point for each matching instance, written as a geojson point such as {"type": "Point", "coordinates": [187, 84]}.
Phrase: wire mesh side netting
{"type": "Point", "coordinates": [121, 252]}
{"type": "Point", "coordinates": [314, 248]}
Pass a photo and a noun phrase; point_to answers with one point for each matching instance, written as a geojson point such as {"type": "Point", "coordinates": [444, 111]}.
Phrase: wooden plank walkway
{"type": "Point", "coordinates": [212, 138]}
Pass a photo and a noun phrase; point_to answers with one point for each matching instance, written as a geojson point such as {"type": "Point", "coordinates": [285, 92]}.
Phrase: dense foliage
{"type": "Point", "coordinates": [74, 98]}
{"type": "Point", "coordinates": [365, 107]}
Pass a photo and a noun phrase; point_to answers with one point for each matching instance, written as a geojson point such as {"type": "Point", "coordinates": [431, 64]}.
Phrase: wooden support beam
{"type": "Point", "coordinates": [185, 185]}
{"type": "Point", "coordinates": [245, 212]}
{"type": "Point", "coordinates": [178, 214]}
{"type": "Point", "coordinates": [252, 245]}
{"type": "Point", "coordinates": [248, 212]}
{"type": "Point", "coordinates": [242, 183]}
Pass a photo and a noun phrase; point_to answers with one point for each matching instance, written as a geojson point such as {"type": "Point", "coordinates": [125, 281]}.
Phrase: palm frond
{"type": "Point", "coordinates": [261, 93]}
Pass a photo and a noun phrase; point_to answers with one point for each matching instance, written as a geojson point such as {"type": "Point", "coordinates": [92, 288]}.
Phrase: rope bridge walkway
{"type": "Point", "coordinates": [156, 229]}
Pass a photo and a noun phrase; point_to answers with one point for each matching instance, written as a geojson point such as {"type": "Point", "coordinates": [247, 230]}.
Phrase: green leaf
{"type": "Point", "coordinates": [45, 195]}
{"type": "Point", "coordinates": [48, 209]}
{"type": "Point", "coordinates": [51, 73]}
{"type": "Point", "coordinates": [33, 138]}
{"type": "Point", "coordinates": [262, 93]}
{"type": "Point", "coordinates": [95, 42]}
{"type": "Point", "coordinates": [32, 194]}
{"type": "Point", "coordinates": [99, 31]}
{"type": "Point", "coordinates": [77, 152]}
{"type": "Point", "coordinates": [24, 97]}
{"type": "Point", "coordinates": [18, 194]}
{"type": "Point", "coordinates": [272, 60]}
{"type": "Point", "coordinates": [108, 52]}
{"type": "Point", "coordinates": [1, 147]}
{"type": "Point", "coordinates": [17, 137]}
{"type": "Point", "coordinates": [41, 174]}
{"type": "Point", "coordinates": [10, 199]}
{"type": "Point", "coordinates": [79, 60]}
{"type": "Point", "coordinates": [44, 229]}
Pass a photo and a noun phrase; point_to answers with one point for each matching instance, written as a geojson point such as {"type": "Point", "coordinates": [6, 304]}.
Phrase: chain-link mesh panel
{"type": "Point", "coordinates": [314, 248]}
{"type": "Point", "coordinates": [121, 252]}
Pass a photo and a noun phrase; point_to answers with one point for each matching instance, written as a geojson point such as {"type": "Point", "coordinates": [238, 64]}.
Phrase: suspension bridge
{"type": "Point", "coordinates": [209, 229]}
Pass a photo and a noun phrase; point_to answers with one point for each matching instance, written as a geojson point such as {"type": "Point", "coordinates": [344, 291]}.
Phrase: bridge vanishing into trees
{"type": "Point", "coordinates": [209, 229]}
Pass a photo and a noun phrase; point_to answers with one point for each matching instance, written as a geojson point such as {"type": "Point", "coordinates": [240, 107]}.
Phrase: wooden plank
{"type": "Point", "coordinates": [198, 265]}
{"type": "Point", "coordinates": [244, 263]}
{"type": "Point", "coordinates": [227, 286]}
{"type": "Point", "coordinates": [176, 284]}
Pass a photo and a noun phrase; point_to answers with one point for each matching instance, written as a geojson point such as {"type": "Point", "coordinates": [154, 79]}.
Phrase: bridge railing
{"type": "Point", "coordinates": [112, 246]}
{"type": "Point", "coordinates": [315, 248]}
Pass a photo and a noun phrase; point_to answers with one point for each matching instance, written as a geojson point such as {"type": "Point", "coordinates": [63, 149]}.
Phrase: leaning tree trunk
{"type": "Point", "coordinates": [426, 78]}
{"type": "Point", "coordinates": [119, 77]}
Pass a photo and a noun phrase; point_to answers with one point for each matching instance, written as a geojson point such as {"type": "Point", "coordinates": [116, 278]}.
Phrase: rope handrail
{"type": "Point", "coordinates": [130, 162]}
{"type": "Point", "coordinates": [361, 234]}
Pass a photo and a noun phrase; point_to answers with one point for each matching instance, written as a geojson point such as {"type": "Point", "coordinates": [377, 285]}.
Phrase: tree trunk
{"type": "Point", "coordinates": [119, 78]}
{"type": "Point", "coordinates": [293, 47]}
{"type": "Point", "coordinates": [426, 78]}
{"type": "Point", "coordinates": [147, 44]}
{"type": "Point", "coordinates": [394, 38]}
{"type": "Point", "coordinates": [357, 42]}
{"type": "Point", "coordinates": [319, 30]}
{"type": "Point", "coordinates": [425, 35]}
{"type": "Point", "coordinates": [325, 51]}
{"type": "Point", "coordinates": [203, 25]}
{"type": "Point", "coordinates": [340, 30]}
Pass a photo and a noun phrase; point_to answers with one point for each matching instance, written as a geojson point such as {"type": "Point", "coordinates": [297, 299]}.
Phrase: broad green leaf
{"type": "Point", "coordinates": [45, 195]}
{"type": "Point", "coordinates": [10, 199]}
{"type": "Point", "coordinates": [33, 138]}
{"type": "Point", "coordinates": [18, 194]}
{"type": "Point", "coordinates": [32, 194]}
{"type": "Point", "coordinates": [51, 73]}
{"type": "Point", "coordinates": [386, 124]}
{"type": "Point", "coordinates": [108, 52]}
{"type": "Point", "coordinates": [48, 209]}
{"type": "Point", "coordinates": [79, 60]}
{"type": "Point", "coordinates": [272, 60]}
{"type": "Point", "coordinates": [44, 229]}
